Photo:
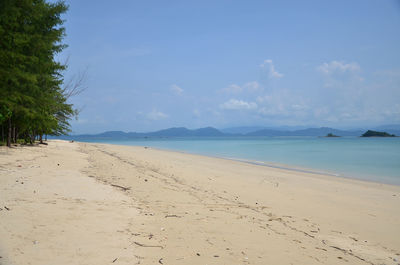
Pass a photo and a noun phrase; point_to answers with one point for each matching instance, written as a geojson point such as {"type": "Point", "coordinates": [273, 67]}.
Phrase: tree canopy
{"type": "Point", "coordinates": [32, 100]}
{"type": "Point", "coordinates": [371, 133]}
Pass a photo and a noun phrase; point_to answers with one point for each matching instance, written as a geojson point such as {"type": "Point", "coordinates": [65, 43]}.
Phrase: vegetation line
{"type": "Point", "coordinates": [33, 96]}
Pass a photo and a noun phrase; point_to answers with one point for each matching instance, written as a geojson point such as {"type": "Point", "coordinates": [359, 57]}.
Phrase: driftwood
{"type": "Point", "coordinates": [120, 187]}
{"type": "Point", "coordinates": [172, 215]}
{"type": "Point", "coordinates": [114, 260]}
{"type": "Point", "coordinates": [147, 246]}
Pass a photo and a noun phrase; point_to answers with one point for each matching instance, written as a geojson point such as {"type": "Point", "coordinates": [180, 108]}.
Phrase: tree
{"type": "Point", "coordinates": [32, 100]}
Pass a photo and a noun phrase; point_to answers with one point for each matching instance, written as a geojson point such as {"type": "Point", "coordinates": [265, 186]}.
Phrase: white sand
{"type": "Point", "coordinates": [185, 209]}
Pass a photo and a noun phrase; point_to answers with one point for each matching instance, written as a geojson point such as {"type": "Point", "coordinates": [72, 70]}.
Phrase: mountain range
{"type": "Point", "coordinates": [230, 132]}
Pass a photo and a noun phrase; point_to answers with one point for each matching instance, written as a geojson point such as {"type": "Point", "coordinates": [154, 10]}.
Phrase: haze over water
{"type": "Point", "coordinates": [371, 159]}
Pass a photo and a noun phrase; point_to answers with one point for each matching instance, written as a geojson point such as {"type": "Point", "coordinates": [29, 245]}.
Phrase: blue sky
{"type": "Point", "coordinates": [158, 64]}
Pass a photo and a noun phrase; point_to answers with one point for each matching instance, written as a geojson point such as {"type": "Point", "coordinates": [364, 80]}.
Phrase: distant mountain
{"type": "Point", "coordinates": [109, 134]}
{"type": "Point", "coordinates": [250, 129]}
{"type": "Point", "coordinates": [208, 131]}
{"type": "Point", "coordinates": [112, 134]}
{"type": "Point", "coordinates": [242, 130]}
{"type": "Point", "coordinates": [289, 128]}
{"type": "Point", "coordinates": [305, 132]}
{"type": "Point", "coordinates": [212, 132]}
{"type": "Point", "coordinates": [269, 132]}
{"type": "Point", "coordinates": [171, 132]}
{"type": "Point", "coordinates": [184, 132]}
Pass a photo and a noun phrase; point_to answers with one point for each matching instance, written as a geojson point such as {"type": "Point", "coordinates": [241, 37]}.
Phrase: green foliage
{"type": "Point", "coordinates": [371, 133]}
{"type": "Point", "coordinates": [5, 113]}
{"type": "Point", "coordinates": [32, 101]}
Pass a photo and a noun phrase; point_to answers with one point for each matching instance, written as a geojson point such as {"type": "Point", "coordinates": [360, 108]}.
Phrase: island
{"type": "Point", "coordinates": [331, 135]}
{"type": "Point", "coordinates": [371, 133]}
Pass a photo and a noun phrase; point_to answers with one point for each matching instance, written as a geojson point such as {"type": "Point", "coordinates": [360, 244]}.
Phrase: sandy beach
{"type": "Point", "coordinates": [81, 203]}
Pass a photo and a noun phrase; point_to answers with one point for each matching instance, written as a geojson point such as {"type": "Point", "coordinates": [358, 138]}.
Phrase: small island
{"type": "Point", "coordinates": [331, 135]}
{"type": "Point", "coordinates": [371, 133]}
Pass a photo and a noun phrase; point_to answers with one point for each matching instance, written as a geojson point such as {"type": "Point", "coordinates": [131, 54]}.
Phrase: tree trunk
{"type": "Point", "coordinates": [33, 137]}
{"type": "Point", "coordinates": [9, 133]}
{"type": "Point", "coordinates": [16, 135]}
{"type": "Point", "coordinates": [41, 138]}
{"type": "Point", "coordinates": [13, 135]}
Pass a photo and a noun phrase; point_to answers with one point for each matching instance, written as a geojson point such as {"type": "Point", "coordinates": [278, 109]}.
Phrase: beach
{"type": "Point", "coordinates": [87, 203]}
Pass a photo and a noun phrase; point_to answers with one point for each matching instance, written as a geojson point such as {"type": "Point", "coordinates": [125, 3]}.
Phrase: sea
{"type": "Point", "coordinates": [370, 159]}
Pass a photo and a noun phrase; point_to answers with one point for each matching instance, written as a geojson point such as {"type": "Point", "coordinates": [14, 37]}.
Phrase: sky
{"type": "Point", "coordinates": [152, 64]}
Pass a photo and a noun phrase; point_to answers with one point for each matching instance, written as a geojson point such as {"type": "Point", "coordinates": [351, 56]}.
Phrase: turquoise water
{"type": "Point", "coordinates": [372, 159]}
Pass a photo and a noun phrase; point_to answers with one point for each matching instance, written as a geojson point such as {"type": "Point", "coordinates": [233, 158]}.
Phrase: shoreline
{"type": "Point", "coordinates": [144, 205]}
{"type": "Point", "coordinates": [274, 165]}
{"type": "Point", "coordinates": [271, 165]}
{"type": "Point", "coordinates": [301, 169]}
{"type": "Point", "coordinates": [310, 171]}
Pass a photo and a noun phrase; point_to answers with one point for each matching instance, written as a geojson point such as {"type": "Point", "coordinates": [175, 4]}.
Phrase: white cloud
{"type": "Point", "coordinates": [336, 66]}
{"type": "Point", "coordinates": [272, 73]}
{"type": "Point", "coordinates": [176, 89]}
{"type": "Point", "coordinates": [282, 104]}
{"type": "Point", "coordinates": [234, 104]}
{"type": "Point", "coordinates": [156, 115]}
{"type": "Point", "coordinates": [252, 86]}
{"type": "Point", "coordinates": [268, 111]}
{"type": "Point", "coordinates": [233, 88]}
